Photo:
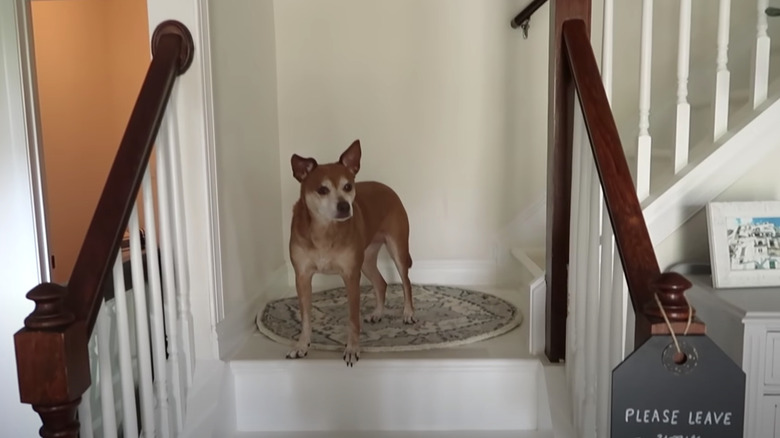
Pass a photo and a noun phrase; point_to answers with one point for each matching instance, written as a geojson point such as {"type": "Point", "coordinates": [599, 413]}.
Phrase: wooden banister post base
{"type": "Point", "coordinates": [670, 288]}
{"type": "Point", "coordinates": [52, 362]}
{"type": "Point", "coordinates": [59, 421]}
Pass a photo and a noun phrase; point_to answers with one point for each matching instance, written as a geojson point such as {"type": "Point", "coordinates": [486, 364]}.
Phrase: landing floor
{"type": "Point", "coordinates": [512, 345]}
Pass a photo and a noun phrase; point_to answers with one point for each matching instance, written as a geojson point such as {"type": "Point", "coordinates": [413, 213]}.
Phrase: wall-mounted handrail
{"type": "Point", "coordinates": [51, 349]}
{"type": "Point", "coordinates": [523, 18]}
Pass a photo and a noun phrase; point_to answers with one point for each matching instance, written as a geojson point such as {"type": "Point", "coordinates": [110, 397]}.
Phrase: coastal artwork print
{"type": "Point", "coordinates": [754, 243]}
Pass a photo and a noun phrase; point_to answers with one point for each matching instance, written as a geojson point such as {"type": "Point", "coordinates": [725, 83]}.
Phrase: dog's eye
{"type": "Point", "coordinates": [347, 187]}
{"type": "Point", "coordinates": [323, 190]}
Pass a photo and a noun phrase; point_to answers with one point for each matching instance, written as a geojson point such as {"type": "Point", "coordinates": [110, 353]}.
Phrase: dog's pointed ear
{"type": "Point", "coordinates": [302, 167]}
{"type": "Point", "coordinates": [351, 157]}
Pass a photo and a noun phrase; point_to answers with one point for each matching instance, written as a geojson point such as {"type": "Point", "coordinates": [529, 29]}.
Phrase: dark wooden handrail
{"type": "Point", "coordinates": [172, 55]}
{"type": "Point", "coordinates": [644, 279]}
{"type": "Point", "coordinates": [525, 15]}
{"type": "Point", "coordinates": [51, 349]}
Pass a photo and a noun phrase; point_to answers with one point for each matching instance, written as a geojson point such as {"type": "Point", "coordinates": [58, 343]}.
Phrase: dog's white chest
{"type": "Point", "coordinates": [325, 264]}
{"type": "Point", "coordinates": [322, 261]}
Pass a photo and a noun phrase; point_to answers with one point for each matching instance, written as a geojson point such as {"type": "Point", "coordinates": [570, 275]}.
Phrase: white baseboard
{"type": "Point", "coordinates": [234, 329]}
{"type": "Point", "coordinates": [441, 272]}
{"type": "Point", "coordinates": [532, 260]}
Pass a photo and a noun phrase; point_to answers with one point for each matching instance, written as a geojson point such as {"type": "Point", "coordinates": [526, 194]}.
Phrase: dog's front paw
{"type": "Point", "coordinates": [409, 316]}
{"type": "Point", "coordinates": [351, 355]}
{"type": "Point", "coordinates": [299, 351]}
{"type": "Point", "coordinates": [374, 317]}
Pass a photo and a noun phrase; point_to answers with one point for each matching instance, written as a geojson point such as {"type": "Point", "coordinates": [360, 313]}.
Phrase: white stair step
{"type": "Point", "coordinates": [491, 385]}
{"type": "Point", "coordinates": [389, 395]}
{"type": "Point", "coordinates": [397, 434]}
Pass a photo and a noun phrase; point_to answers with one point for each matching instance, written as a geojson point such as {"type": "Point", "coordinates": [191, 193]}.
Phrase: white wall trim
{"type": "Point", "coordinates": [738, 150]}
{"type": "Point", "coordinates": [194, 108]}
{"type": "Point", "coordinates": [211, 157]}
{"type": "Point", "coordinates": [237, 326]}
{"type": "Point", "coordinates": [22, 261]}
{"type": "Point", "coordinates": [33, 132]}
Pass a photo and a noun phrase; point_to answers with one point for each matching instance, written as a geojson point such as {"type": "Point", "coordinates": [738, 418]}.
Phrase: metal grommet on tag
{"type": "Point", "coordinates": [680, 362]}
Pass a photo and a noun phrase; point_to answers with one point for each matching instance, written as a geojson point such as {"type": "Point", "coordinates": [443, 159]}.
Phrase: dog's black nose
{"type": "Point", "coordinates": [343, 207]}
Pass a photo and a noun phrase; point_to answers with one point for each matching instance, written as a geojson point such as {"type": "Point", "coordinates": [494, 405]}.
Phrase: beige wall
{"type": "Point", "coordinates": [448, 101]}
{"type": "Point", "coordinates": [91, 56]}
{"type": "Point", "coordinates": [247, 144]}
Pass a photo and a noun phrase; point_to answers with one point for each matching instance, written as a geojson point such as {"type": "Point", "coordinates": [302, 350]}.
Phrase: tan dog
{"type": "Point", "coordinates": [338, 227]}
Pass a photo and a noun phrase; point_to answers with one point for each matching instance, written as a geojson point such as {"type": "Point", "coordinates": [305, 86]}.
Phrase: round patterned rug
{"type": "Point", "coordinates": [446, 317]}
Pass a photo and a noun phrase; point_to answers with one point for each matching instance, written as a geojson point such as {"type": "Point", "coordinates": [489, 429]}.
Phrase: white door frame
{"type": "Point", "coordinates": [194, 106]}
{"type": "Point", "coordinates": [24, 260]}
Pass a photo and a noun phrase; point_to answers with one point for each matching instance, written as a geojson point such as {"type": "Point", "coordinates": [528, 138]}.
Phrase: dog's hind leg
{"type": "Point", "coordinates": [399, 251]}
{"type": "Point", "coordinates": [371, 271]}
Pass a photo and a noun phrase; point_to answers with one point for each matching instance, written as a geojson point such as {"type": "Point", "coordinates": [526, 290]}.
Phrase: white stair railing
{"type": "Point", "coordinates": [644, 141]}
{"type": "Point", "coordinates": [683, 134]}
{"type": "Point", "coordinates": [596, 325]}
{"type": "Point", "coordinates": [685, 125]}
{"type": "Point", "coordinates": [761, 53]}
{"type": "Point", "coordinates": [723, 76]}
{"type": "Point", "coordinates": [599, 332]}
{"type": "Point", "coordinates": [142, 356]}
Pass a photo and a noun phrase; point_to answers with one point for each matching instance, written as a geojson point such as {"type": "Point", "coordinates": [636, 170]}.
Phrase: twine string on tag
{"type": "Point", "coordinates": [668, 323]}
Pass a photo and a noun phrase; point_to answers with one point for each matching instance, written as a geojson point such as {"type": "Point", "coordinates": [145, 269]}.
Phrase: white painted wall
{"type": "Point", "coordinates": [247, 145]}
{"type": "Point", "coordinates": [447, 100]}
{"type": "Point", "coordinates": [19, 263]}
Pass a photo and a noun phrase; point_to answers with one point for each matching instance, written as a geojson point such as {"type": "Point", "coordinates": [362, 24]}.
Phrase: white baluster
{"type": "Point", "coordinates": [180, 237]}
{"type": "Point", "coordinates": [156, 307]}
{"type": "Point", "coordinates": [723, 76]}
{"type": "Point", "coordinates": [618, 320]}
{"type": "Point", "coordinates": [141, 328]}
{"type": "Point", "coordinates": [682, 137]}
{"type": "Point", "coordinates": [604, 329]}
{"type": "Point", "coordinates": [592, 294]}
{"type": "Point", "coordinates": [607, 245]}
{"type": "Point", "coordinates": [106, 374]}
{"type": "Point", "coordinates": [581, 296]}
{"type": "Point", "coordinates": [129, 417]}
{"type": "Point", "coordinates": [85, 415]}
{"type": "Point", "coordinates": [606, 47]}
{"type": "Point", "coordinates": [644, 142]}
{"type": "Point", "coordinates": [169, 287]}
{"type": "Point", "coordinates": [572, 335]}
{"type": "Point", "coordinates": [760, 76]}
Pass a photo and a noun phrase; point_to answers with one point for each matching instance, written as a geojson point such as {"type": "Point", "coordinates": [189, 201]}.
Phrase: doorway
{"type": "Point", "coordinates": [91, 57]}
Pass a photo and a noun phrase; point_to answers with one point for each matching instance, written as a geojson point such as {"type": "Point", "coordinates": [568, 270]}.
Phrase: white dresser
{"type": "Point", "coordinates": [745, 323]}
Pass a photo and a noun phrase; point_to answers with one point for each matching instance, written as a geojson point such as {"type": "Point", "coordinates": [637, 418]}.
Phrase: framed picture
{"type": "Point", "coordinates": [744, 243]}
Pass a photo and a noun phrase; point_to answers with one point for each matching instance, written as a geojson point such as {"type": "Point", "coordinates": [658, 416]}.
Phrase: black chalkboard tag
{"type": "Point", "coordinates": [653, 396]}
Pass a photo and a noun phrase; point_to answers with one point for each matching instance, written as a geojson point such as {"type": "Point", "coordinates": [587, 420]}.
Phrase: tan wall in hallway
{"type": "Point", "coordinates": [91, 57]}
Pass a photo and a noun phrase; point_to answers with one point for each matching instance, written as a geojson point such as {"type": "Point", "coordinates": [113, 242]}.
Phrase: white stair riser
{"type": "Point", "coordinates": [387, 395]}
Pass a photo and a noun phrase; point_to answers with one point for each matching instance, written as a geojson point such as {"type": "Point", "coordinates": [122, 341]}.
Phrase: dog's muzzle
{"type": "Point", "coordinates": [343, 210]}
